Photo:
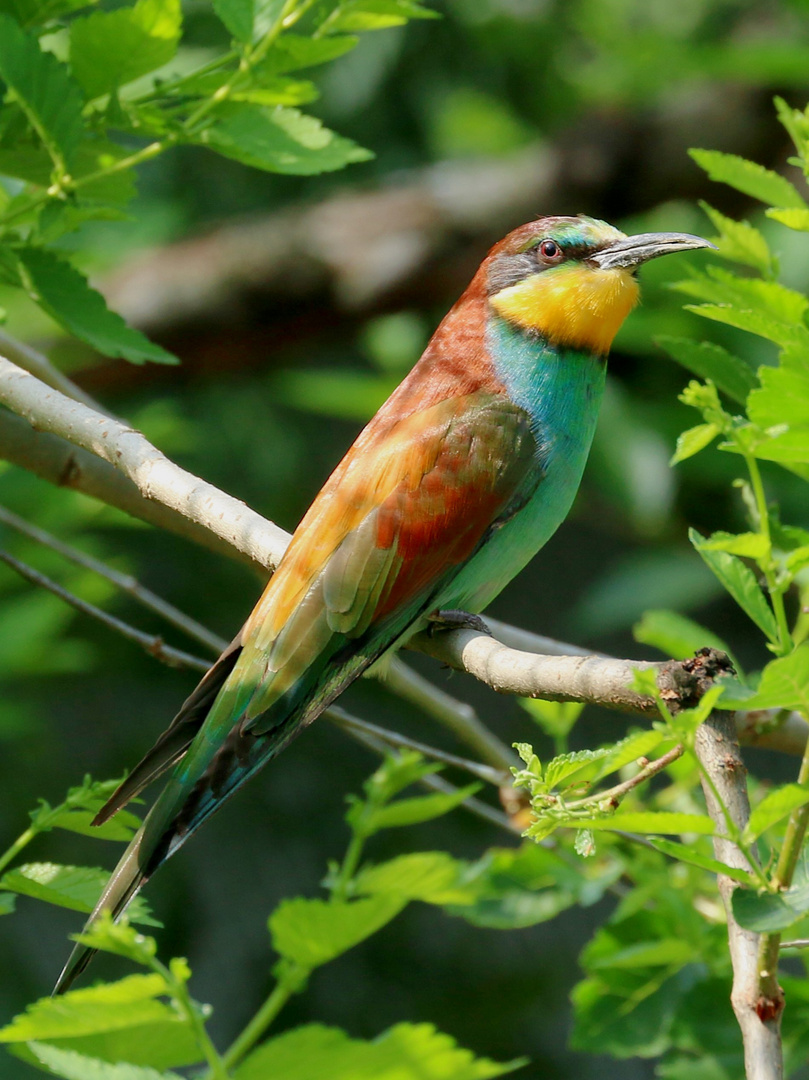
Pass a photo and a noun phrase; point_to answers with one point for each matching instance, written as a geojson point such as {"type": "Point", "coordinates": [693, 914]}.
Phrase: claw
{"type": "Point", "coordinates": [452, 619]}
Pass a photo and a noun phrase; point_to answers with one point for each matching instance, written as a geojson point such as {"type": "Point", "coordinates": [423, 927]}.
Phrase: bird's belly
{"type": "Point", "coordinates": [515, 543]}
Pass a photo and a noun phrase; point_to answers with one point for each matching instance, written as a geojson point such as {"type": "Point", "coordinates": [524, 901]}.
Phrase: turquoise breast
{"type": "Point", "coordinates": [561, 391]}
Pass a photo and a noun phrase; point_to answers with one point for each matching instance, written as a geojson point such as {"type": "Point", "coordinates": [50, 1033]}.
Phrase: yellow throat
{"type": "Point", "coordinates": [573, 305]}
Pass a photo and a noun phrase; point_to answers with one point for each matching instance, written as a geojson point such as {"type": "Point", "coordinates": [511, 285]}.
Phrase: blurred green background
{"type": "Point", "coordinates": [295, 304]}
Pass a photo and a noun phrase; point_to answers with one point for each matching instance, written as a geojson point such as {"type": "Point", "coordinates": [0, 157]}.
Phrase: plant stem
{"type": "Point", "coordinates": [22, 840]}
{"type": "Point", "coordinates": [283, 991]}
{"type": "Point", "coordinates": [217, 1069]}
{"type": "Point", "coordinates": [767, 565]}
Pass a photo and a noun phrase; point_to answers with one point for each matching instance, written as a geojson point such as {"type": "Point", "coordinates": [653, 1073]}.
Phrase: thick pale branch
{"type": "Point", "coordinates": [590, 679]}
{"type": "Point", "coordinates": [117, 465]}
{"type": "Point", "coordinates": [153, 474]}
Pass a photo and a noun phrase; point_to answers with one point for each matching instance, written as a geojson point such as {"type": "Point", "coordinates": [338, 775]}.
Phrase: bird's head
{"type": "Point", "coordinates": [572, 279]}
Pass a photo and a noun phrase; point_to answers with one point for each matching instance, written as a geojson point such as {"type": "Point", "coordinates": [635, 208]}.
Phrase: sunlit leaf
{"type": "Point", "coordinates": [741, 583]}
{"type": "Point", "coordinates": [693, 440]}
{"type": "Point", "coordinates": [73, 1066]}
{"type": "Point", "coordinates": [312, 932]}
{"type": "Point", "coordinates": [43, 87]}
{"type": "Point", "coordinates": [739, 241]}
{"type": "Point", "coordinates": [74, 887]}
{"type": "Point", "coordinates": [748, 177]}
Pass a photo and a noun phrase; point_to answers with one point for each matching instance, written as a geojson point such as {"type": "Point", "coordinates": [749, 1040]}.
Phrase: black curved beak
{"type": "Point", "coordinates": [634, 250]}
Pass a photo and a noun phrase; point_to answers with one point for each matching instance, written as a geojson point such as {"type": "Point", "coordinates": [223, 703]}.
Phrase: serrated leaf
{"type": "Point", "coordinates": [750, 545]}
{"type": "Point", "coordinates": [313, 932]}
{"type": "Point", "coordinates": [109, 49]}
{"type": "Point", "coordinates": [354, 16]}
{"type": "Point", "coordinates": [119, 938]}
{"type": "Point", "coordinates": [650, 822]}
{"type": "Point", "coordinates": [770, 298]}
{"type": "Point", "coordinates": [430, 876]}
{"type": "Point", "coordinates": [774, 807]}
{"type": "Point", "coordinates": [748, 177]}
{"type": "Point", "coordinates": [74, 887]}
{"type": "Point", "coordinates": [675, 635]}
{"type": "Point", "coordinates": [741, 583]}
{"type": "Point", "coordinates": [754, 322]}
{"type": "Point", "coordinates": [739, 241]}
{"type": "Point", "coordinates": [695, 858]}
{"type": "Point", "coordinates": [73, 1066]}
{"type": "Point", "coordinates": [416, 810]}
{"type": "Point", "coordinates": [65, 294]}
{"type": "Point", "coordinates": [106, 1007]}
{"type": "Point", "coordinates": [404, 1052]}
{"type": "Point", "coordinates": [43, 87]}
{"type": "Point", "coordinates": [280, 140]}
{"type": "Point", "coordinates": [730, 374]}
{"type": "Point", "coordinates": [793, 219]}
{"type": "Point", "coordinates": [693, 440]}
{"type": "Point", "coordinates": [784, 685]}
{"type": "Point", "coordinates": [783, 398]}
{"type": "Point", "coordinates": [638, 744]}
{"type": "Point", "coordinates": [565, 766]}
{"type": "Point", "coordinates": [122, 827]}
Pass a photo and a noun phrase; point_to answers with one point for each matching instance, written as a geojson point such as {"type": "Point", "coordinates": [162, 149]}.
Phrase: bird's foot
{"type": "Point", "coordinates": [453, 619]}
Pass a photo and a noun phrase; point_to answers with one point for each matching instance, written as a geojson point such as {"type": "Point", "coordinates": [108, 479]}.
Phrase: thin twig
{"type": "Point", "coordinates": [151, 643]}
{"type": "Point", "coordinates": [614, 794]}
{"type": "Point", "coordinates": [125, 582]}
{"type": "Point", "coordinates": [459, 717]}
{"type": "Point", "coordinates": [350, 723]}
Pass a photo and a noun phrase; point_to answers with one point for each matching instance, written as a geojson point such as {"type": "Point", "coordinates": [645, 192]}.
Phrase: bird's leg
{"type": "Point", "coordinates": [453, 619]}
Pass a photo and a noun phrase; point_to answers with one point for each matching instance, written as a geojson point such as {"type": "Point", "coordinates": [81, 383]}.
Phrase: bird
{"type": "Point", "coordinates": [453, 486]}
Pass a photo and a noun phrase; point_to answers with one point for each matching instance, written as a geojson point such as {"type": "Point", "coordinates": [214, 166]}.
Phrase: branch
{"type": "Point", "coordinates": [153, 488]}
{"type": "Point", "coordinates": [724, 784]}
{"type": "Point", "coordinates": [39, 365]}
{"type": "Point", "coordinates": [125, 582]}
{"type": "Point", "coordinates": [151, 471]}
{"type": "Point", "coordinates": [591, 679]}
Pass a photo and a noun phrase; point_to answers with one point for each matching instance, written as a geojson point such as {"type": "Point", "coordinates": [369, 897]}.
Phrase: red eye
{"type": "Point", "coordinates": [549, 249]}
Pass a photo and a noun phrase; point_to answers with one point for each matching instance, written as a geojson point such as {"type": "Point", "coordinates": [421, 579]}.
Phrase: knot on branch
{"type": "Point", "coordinates": [683, 682]}
{"type": "Point", "coordinates": [769, 1008]}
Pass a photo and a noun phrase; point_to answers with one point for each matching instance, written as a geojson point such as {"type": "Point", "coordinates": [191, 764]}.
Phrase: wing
{"type": "Point", "coordinates": [403, 512]}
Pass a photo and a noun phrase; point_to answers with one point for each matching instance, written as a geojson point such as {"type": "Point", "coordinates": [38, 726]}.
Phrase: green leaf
{"type": "Point", "coordinates": [291, 52]}
{"type": "Point", "coordinates": [238, 17]}
{"type": "Point", "coordinates": [279, 140]}
{"type": "Point", "coordinates": [74, 887]}
{"type": "Point", "coordinates": [650, 821]}
{"type": "Point", "coordinates": [771, 299]}
{"type": "Point", "coordinates": [44, 89]}
{"type": "Point", "coordinates": [313, 932]}
{"type": "Point", "coordinates": [675, 635]}
{"type": "Point", "coordinates": [754, 322]}
{"type": "Point", "coordinates": [626, 751]}
{"type": "Point", "coordinates": [404, 1052]}
{"type": "Point", "coordinates": [105, 1007]}
{"type": "Point", "coordinates": [750, 545]}
{"type": "Point", "coordinates": [416, 810]}
{"type": "Point", "coordinates": [32, 12]}
{"type": "Point", "coordinates": [118, 938]}
{"type": "Point", "coordinates": [740, 582]}
{"type": "Point", "coordinates": [689, 854]}
{"type": "Point", "coordinates": [793, 219]}
{"type": "Point", "coordinates": [784, 685]}
{"type": "Point", "coordinates": [109, 49]}
{"type": "Point", "coordinates": [732, 376]}
{"type": "Point", "coordinates": [693, 440]}
{"type": "Point", "coordinates": [8, 902]}
{"type": "Point", "coordinates": [739, 241]}
{"type": "Point", "coordinates": [782, 399]}
{"type": "Point", "coordinates": [73, 1066]}
{"type": "Point", "coordinates": [556, 718]}
{"type": "Point", "coordinates": [64, 293]}
{"type": "Point", "coordinates": [34, 164]}
{"type": "Point", "coordinates": [748, 177]}
{"type": "Point", "coordinates": [665, 952]}
{"type": "Point", "coordinates": [354, 16]}
{"type": "Point", "coordinates": [773, 807]}
{"type": "Point", "coordinates": [566, 766]}
{"type": "Point", "coordinates": [430, 876]}
{"type": "Point", "coordinates": [766, 913]}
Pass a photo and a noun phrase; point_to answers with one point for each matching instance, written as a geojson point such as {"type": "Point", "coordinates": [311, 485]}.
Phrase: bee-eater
{"type": "Point", "coordinates": [460, 478]}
